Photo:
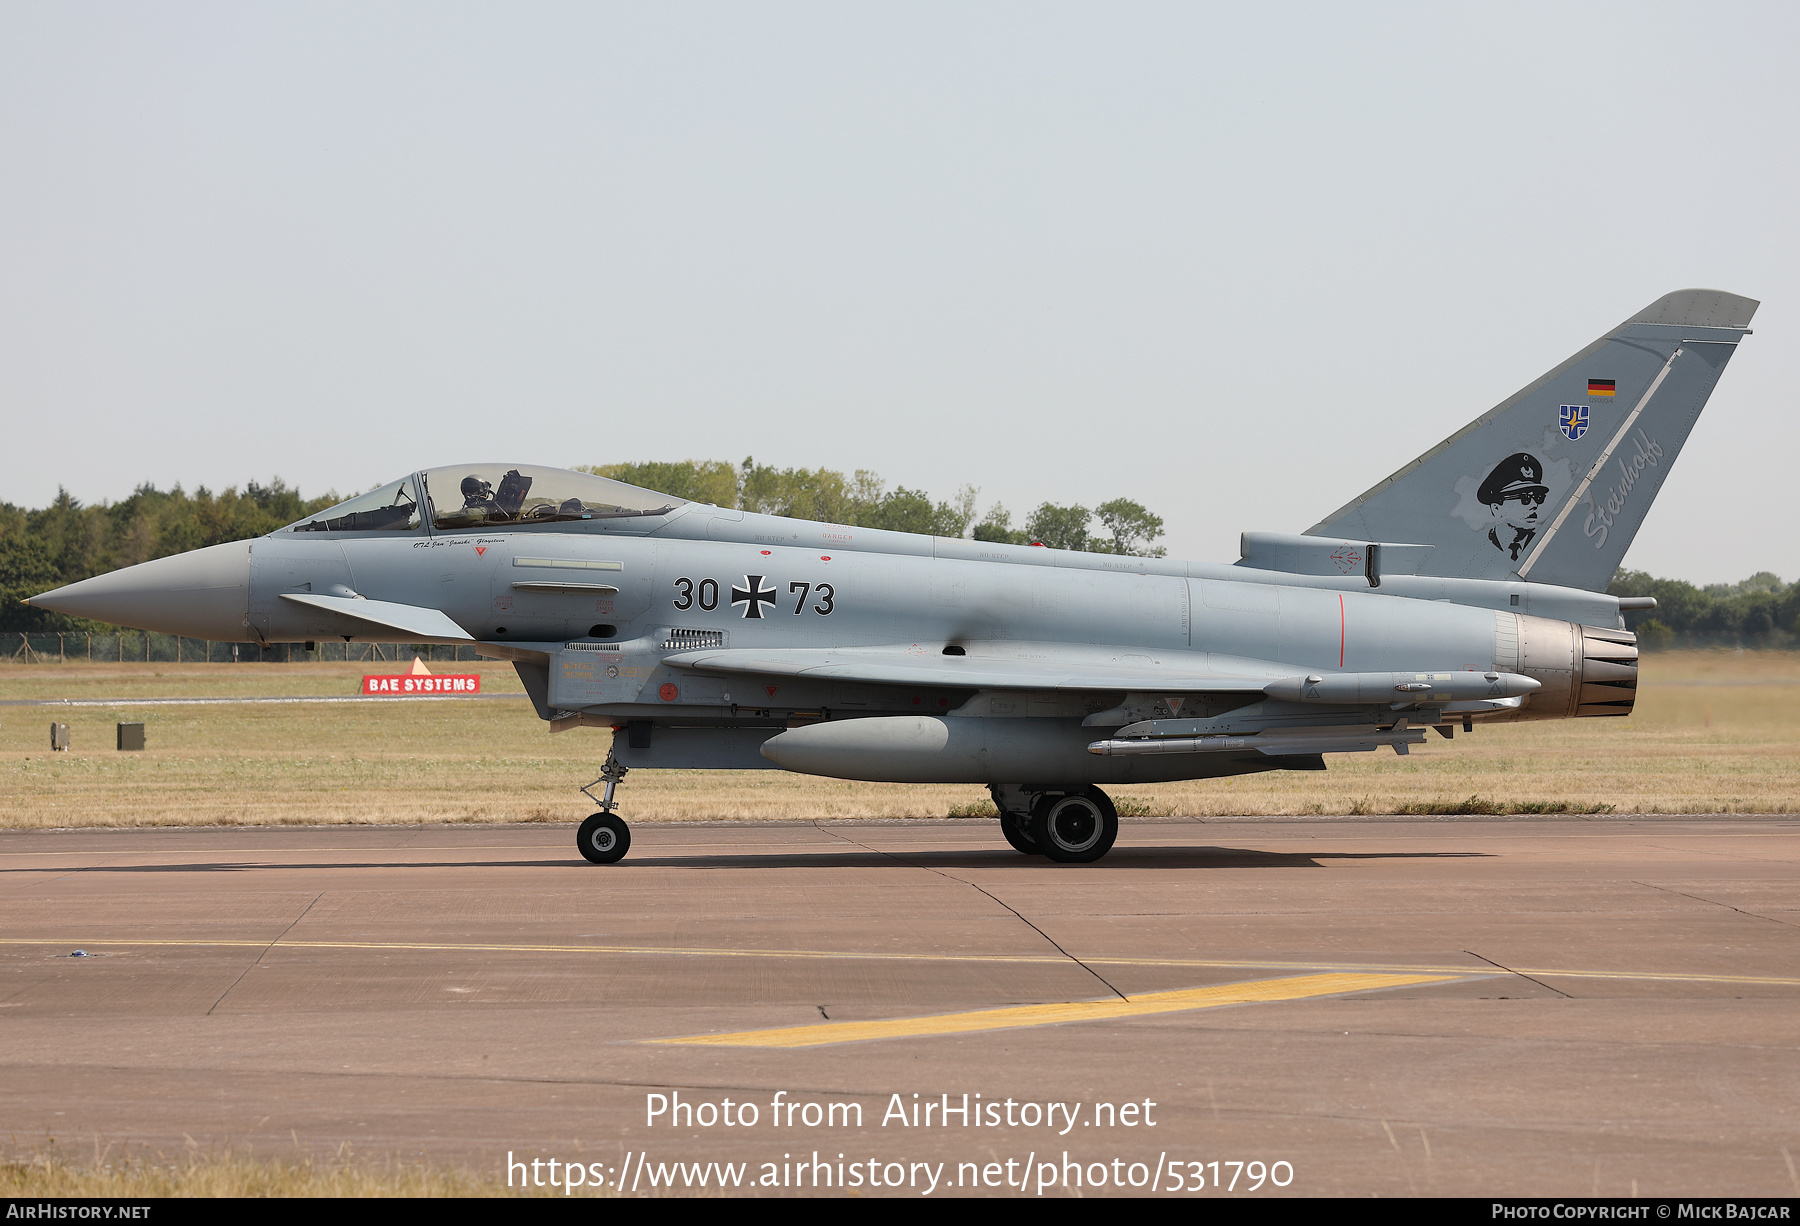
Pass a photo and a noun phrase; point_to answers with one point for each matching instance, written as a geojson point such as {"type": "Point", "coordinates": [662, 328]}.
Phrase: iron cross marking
{"type": "Point", "coordinates": [752, 596]}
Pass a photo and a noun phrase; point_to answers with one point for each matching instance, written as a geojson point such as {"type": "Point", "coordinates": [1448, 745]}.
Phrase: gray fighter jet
{"type": "Point", "coordinates": [1466, 588]}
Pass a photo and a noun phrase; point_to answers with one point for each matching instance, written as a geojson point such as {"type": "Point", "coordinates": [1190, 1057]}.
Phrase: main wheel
{"type": "Point", "coordinates": [1077, 828]}
{"type": "Point", "coordinates": [1017, 829]}
{"type": "Point", "coordinates": [604, 838]}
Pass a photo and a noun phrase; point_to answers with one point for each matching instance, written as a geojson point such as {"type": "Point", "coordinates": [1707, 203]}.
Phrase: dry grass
{"type": "Point", "coordinates": [1714, 732]}
{"type": "Point", "coordinates": [47, 1172]}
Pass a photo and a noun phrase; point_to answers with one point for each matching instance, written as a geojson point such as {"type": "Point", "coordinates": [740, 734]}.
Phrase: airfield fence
{"type": "Point", "coordinates": [143, 647]}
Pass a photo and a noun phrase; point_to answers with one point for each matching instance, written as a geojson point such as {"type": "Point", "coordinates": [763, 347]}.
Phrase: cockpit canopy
{"type": "Point", "coordinates": [392, 508]}
{"type": "Point", "coordinates": [489, 497]}
{"type": "Point", "coordinates": [482, 495]}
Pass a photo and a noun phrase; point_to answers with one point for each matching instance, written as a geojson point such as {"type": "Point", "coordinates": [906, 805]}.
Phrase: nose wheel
{"type": "Point", "coordinates": [604, 838]}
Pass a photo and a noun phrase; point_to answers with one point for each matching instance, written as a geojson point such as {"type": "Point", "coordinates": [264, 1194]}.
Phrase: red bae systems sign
{"type": "Point", "coordinates": [419, 683]}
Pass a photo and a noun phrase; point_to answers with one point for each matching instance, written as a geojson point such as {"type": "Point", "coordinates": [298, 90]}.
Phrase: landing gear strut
{"type": "Point", "coordinates": [604, 838]}
{"type": "Point", "coordinates": [1014, 803]}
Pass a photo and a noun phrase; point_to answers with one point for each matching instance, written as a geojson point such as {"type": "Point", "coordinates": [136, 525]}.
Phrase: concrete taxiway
{"type": "Point", "coordinates": [1451, 1007]}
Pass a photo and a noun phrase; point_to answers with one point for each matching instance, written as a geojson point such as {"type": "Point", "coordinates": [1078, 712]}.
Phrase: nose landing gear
{"type": "Point", "coordinates": [604, 838]}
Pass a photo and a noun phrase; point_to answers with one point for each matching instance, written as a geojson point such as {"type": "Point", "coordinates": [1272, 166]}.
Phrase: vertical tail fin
{"type": "Point", "coordinates": [1552, 484]}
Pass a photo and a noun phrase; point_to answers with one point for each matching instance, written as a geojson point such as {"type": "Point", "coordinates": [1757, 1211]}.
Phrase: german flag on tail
{"type": "Point", "coordinates": [1602, 387]}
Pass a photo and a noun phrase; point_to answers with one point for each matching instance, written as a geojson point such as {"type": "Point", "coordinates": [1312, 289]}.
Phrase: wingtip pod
{"type": "Point", "coordinates": [1698, 308]}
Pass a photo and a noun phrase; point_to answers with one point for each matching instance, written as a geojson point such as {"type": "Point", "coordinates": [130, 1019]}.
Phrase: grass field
{"type": "Point", "coordinates": [1714, 732]}
{"type": "Point", "coordinates": [47, 1172]}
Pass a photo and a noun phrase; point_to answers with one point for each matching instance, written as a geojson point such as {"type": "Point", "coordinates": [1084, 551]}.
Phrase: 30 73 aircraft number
{"type": "Point", "coordinates": [752, 595]}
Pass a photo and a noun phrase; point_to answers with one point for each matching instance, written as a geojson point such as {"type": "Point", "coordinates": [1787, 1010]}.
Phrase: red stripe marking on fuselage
{"type": "Point", "coordinates": [1340, 630]}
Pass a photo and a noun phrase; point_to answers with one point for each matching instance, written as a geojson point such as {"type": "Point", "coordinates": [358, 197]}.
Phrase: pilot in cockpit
{"type": "Point", "coordinates": [479, 495]}
{"type": "Point", "coordinates": [507, 497]}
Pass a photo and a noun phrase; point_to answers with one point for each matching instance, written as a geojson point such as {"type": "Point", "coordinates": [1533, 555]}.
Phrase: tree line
{"type": "Point", "coordinates": [1760, 611]}
{"type": "Point", "coordinates": [863, 500]}
{"type": "Point", "coordinates": [68, 540]}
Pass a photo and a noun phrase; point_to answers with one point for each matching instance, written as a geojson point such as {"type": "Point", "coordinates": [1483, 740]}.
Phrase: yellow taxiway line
{"type": "Point", "coordinates": [677, 951]}
{"type": "Point", "coordinates": [1257, 992]}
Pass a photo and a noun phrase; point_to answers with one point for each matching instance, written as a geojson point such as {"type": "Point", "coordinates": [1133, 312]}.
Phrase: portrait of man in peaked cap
{"type": "Point", "coordinates": [1514, 495]}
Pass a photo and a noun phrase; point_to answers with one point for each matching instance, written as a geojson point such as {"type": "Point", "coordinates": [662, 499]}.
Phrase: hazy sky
{"type": "Point", "coordinates": [1235, 261]}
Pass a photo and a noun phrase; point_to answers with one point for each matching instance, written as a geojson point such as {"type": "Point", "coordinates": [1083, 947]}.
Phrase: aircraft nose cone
{"type": "Point", "coordinates": [204, 594]}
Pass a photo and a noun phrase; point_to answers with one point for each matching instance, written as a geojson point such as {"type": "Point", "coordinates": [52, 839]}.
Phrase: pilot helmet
{"type": "Point", "coordinates": [475, 487]}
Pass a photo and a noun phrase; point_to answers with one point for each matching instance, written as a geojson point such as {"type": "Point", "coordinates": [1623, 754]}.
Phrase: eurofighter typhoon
{"type": "Point", "coordinates": [1467, 588]}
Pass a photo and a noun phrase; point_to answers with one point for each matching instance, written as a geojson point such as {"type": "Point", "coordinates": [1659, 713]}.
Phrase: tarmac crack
{"type": "Point", "coordinates": [1712, 902]}
{"type": "Point", "coordinates": [1521, 974]}
{"type": "Point", "coordinates": [991, 897]}
{"type": "Point", "coordinates": [265, 952]}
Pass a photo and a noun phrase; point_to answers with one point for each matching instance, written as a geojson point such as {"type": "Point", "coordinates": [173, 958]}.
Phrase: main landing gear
{"type": "Point", "coordinates": [1070, 827]}
{"type": "Point", "coordinates": [604, 838]}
